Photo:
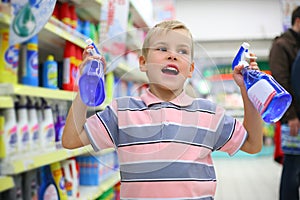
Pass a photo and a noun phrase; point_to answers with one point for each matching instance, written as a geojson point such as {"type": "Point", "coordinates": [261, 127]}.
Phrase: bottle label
{"type": "Point", "coordinates": [261, 94]}
{"type": "Point", "coordinates": [13, 140]}
{"type": "Point", "coordinates": [51, 193]}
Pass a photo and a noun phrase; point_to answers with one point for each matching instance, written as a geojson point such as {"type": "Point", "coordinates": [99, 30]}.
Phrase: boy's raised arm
{"type": "Point", "coordinates": [252, 119]}
{"type": "Point", "coordinates": [74, 135]}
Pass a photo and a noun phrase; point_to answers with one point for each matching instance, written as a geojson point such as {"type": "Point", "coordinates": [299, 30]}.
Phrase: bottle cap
{"type": "Point", "coordinates": [50, 57]}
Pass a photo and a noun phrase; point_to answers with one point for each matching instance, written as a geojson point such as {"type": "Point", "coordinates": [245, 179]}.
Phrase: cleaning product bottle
{"type": "Point", "coordinates": [268, 96]}
{"type": "Point", "coordinates": [91, 82]}
{"type": "Point", "coordinates": [50, 73]}
{"type": "Point", "coordinates": [30, 185]}
{"type": "Point", "coordinates": [9, 138]}
{"type": "Point", "coordinates": [30, 64]}
{"type": "Point", "coordinates": [33, 125]}
{"type": "Point", "coordinates": [71, 178]}
{"type": "Point", "coordinates": [57, 175]}
{"type": "Point", "coordinates": [59, 124]}
{"type": "Point", "coordinates": [9, 56]}
{"type": "Point", "coordinates": [22, 121]}
{"type": "Point", "coordinates": [48, 189]}
{"type": "Point", "coordinates": [70, 68]}
{"type": "Point", "coordinates": [47, 127]}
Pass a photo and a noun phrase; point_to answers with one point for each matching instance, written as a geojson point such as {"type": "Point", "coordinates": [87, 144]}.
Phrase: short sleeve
{"type": "Point", "coordinates": [102, 128]}
{"type": "Point", "coordinates": [232, 137]}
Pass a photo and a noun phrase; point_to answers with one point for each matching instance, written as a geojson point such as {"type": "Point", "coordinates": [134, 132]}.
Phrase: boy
{"type": "Point", "coordinates": [164, 138]}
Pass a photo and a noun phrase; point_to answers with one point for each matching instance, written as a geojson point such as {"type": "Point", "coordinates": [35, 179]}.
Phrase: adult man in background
{"type": "Point", "coordinates": [282, 55]}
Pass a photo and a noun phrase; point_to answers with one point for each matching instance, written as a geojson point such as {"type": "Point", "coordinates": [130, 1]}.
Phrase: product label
{"type": "Point", "coordinates": [50, 193]}
{"type": "Point", "coordinates": [50, 135]}
{"type": "Point", "coordinates": [52, 75]}
{"type": "Point", "coordinates": [25, 134]}
{"type": "Point", "coordinates": [12, 140]}
{"type": "Point", "coordinates": [261, 94]}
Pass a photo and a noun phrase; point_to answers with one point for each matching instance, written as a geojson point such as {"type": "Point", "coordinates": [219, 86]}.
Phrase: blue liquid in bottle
{"type": "Point", "coordinates": [91, 82]}
{"type": "Point", "coordinates": [268, 96]}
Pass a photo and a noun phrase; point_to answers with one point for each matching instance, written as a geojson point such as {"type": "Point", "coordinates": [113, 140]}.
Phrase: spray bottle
{"type": "Point", "coordinates": [91, 82]}
{"type": "Point", "coordinates": [268, 97]}
{"type": "Point", "coordinates": [47, 127]}
{"type": "Point", "coordinates": [9, 137]}
{"type": "Point", "coordinates": [33, 124]}
{"type": "Point", "coordinates": [22, 120]}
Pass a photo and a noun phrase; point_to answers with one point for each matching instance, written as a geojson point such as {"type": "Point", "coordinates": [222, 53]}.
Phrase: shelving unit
{"type": "Point", "coordinates": [6, 182]}
{"type": "Point", "coordinates": [31, 161]}
{"type": "Point", "coordinates": [93, 192]}
{"type": "Point", "coordinates": [52, 39]}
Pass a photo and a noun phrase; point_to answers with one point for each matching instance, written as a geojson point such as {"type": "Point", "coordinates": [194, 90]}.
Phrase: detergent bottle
{"type": "Point", "coordinates": [268, 96]}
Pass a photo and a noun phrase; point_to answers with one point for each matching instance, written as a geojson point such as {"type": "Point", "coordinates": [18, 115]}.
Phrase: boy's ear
{"type": "Point", "coordinates": [192, 67]}
{"type": "Point", "coordinates": [142, 62]}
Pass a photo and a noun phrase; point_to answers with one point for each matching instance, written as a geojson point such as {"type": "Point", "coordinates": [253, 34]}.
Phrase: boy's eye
{"type": "Point", "coordinates": [162, 48]}
{"type": "Point", "coordinates": [183, 51]}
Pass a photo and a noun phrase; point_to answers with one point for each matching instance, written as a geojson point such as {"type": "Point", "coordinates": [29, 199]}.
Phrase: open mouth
{"type": "Point", "coordinates": [170, 70]}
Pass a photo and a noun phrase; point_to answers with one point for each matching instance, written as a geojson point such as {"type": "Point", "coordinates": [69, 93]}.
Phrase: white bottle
{"type": "Point", "coordinates": [22, 121]}
{"type": "Point", "coordinates": [33, 125]}
{"type": "Point", "coordinates": [10, 137]}
{"type": "Point", "coordinates": [47, 128]}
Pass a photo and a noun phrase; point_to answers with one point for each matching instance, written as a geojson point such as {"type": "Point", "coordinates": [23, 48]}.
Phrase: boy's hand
{"type": "Point", "coordinates": [237, 72]}
{"type": "Point", "coordinates": [86, 56]}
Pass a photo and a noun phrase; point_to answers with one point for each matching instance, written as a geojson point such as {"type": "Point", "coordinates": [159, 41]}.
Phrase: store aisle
{"type": "Point", "coordinates": [247, 178]}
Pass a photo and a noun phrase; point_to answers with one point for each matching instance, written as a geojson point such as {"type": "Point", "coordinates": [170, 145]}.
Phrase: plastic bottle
{"type": "Point", "coordinates": [73, 16]}
{"type": "Point", "coordinates": [50, 73]}
{"type": "Point", "coordinates": [30, 185]}
{"type": "Point", "coordinates": [70, 68]}
{"type": "Point", "coordinates": [65, 13]}
{"type": "Point", "coordinates": [33, 125]}
{"type": "Point", "coordinates": [59, 124]}
{"type": "Point", "coordinates": [91, 82]}
{"type": "Point", "coordinates": [47, 127]}
{"type": "Point", "coordinates": [48, 189]}
{"type": "Point", "coordinates": [9, 56]}
{"type": "Point", "coordinates": [22, 123]}
{"type": "Point", "coordinates": [9, 141]}
{"type": "Point", "coordinates": [16, 192]}
{"type": "Point", "coordinates": [71, 178]}
{"type": "Point", "coordinates": [57, 175]}
{"type": "Point", "coordinates": [30, 64]}
{"type": "Point", "coordinates": [268, 97]}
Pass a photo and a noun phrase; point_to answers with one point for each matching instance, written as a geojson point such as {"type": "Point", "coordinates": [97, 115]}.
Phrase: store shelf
{"type": "Point", "coordinates": [7, 89]}
{"type": "Point", "coordinates": [6, 182]}
{"type": "Point", "coordinates": [6, 102]}
{"type": "Point", "coordinates": [26, 162]}
{"type": "Point", "coordinates": [93, 192]}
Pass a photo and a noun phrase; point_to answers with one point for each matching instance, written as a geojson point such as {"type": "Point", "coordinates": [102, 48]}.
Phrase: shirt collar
{"type": "Point", "coordinates": [181, 100]}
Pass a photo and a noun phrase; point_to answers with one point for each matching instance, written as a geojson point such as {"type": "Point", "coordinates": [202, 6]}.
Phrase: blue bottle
{"type": "Point", "coordinates": [91, 82]}
{"type": "Point", "coordinates": [50, 73]}
{"type": "Point", "coordinates": [30, 62]}
{"type": "Point", "coordinates": [48, 189]}
{"type": "Point", "coordinates": [268, 96]}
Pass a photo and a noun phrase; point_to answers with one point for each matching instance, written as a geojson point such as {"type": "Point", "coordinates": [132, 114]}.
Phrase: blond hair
{"type": "Point", "coordinates": [164, 27]}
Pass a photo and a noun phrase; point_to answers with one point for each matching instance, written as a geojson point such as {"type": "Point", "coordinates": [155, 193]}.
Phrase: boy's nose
{"type": "Point", "coordinates": [172, 56]}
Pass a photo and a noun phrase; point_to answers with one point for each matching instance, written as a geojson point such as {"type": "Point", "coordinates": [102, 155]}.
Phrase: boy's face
{"type": "Point", "coordinates": [169, 60]}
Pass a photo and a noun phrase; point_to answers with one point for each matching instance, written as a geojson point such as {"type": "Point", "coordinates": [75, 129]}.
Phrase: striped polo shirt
{"type": "Point", "coordinates": [164, 148]}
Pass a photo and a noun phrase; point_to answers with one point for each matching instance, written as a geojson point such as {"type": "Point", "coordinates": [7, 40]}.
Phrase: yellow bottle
{"type": "Point", "coordinates": [9, 56]}
{"type": "Point", "coordinates": [57, 174]}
